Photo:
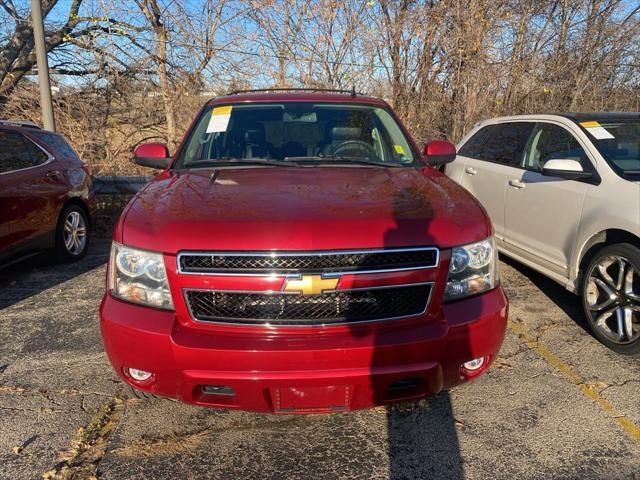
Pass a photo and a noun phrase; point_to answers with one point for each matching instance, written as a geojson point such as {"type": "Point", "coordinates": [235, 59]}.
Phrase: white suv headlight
{"type": "Point", "coordinates": [139, 276]}
{"type": "Point", "coordinates": [473, 269]}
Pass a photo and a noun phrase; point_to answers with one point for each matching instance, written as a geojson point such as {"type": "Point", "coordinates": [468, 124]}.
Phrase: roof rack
{"type": "Point", "coordinates": [20, 123]}
{"type": "Point", "coordinates": [306, 89]}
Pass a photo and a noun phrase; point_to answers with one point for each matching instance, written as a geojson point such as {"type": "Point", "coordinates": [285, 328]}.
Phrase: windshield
{"type": "Point", "coordinates": [619, 143]}
{"type": "Point", "coordinates": [296, 133]}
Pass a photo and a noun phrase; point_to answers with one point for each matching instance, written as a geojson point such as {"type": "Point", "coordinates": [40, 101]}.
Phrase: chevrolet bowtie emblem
{"type": "Point", "coordinates": [310, 284]}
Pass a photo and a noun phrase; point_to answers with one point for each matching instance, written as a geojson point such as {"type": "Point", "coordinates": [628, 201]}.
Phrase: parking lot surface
{"type": "Point", "coordinates": [556, 404]}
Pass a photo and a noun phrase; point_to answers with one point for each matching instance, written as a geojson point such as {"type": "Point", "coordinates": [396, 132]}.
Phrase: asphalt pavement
{"type": "Point", "coordinates": [556, 404]}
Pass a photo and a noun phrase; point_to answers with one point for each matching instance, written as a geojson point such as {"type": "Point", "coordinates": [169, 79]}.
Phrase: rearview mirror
{"type": "Point", "coordinates": [439, 153]}
{"type": "Point", "coordinates": [565, 168]}
{"type": "Point", "coordinates": [152, 155]}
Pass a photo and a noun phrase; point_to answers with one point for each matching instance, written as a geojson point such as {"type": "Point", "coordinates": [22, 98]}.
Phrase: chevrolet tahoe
{"type": "Point", "coordinates": [299, 254]}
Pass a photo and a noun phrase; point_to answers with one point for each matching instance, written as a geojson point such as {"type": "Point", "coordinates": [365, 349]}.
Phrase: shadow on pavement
{"type": "Point", "coordinates": [567, 301]}
{"type": "Point", "coordinates": [422, 437]}
{"type": "Point", "coordinates": [423, 442]}
{"type": "Point", "coordinates": [36, 274]}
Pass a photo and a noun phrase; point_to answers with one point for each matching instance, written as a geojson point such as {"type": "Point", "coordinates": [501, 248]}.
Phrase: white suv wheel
{"type": "Point", "coordinates": [611, 297]}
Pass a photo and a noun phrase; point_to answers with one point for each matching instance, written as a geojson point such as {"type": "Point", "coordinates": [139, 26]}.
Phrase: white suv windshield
{"type": "Point", "coordinates": [619, 143]}
{"type": "Point", "coordinates": [296, 133]}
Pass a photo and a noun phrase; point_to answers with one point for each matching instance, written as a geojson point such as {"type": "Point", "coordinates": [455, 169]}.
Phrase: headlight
{"type": "Point", "coordinates": [139, 276]}
{"type": "Point", "coordinates": [473, 269]}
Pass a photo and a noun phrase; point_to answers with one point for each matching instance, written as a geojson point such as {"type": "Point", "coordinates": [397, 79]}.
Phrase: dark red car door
{"type": "Point", "coordinates": [5, 238]}
{"type": "Point", "coordinates": [35, 188]}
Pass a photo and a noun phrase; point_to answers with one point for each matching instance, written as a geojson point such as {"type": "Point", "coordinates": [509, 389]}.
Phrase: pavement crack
{"type": "Point", "coordinates": [10, 389]}
{"type": "Point", "coordinates": [89, 447]}
{"type": "Point", "coordinates": [522, 348]}
{"type": "Point", "coordinates": [620, 384]}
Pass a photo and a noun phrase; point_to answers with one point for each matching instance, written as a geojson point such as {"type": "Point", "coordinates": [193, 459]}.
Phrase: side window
{"type": "Point", "coordinates": [37, 154]}
{"type": "Point", "coordinates": [473, 147]}
{"type": "Point", "coordinates": [506, 143]}
{"type": "Point", "coordinates": [58, 143]}
{"type": "Point", "coordinates": [548, 142]}
{"type": "Point", "coordinates": [14, 153]}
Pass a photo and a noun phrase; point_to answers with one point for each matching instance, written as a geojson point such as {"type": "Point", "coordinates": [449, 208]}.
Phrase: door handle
{"type": "Point", "coordinates": [52, 173]}
{"type": "Point", "coordinates": [471, 170]}
{"type": "Point", "coordinates": [517, 183]}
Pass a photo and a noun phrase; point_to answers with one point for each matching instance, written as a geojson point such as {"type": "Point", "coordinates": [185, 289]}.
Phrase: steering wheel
{"type": "Point", "coordinates": [355, 148]}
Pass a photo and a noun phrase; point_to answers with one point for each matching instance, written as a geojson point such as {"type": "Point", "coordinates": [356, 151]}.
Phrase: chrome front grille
{"type": "Point", "coordinates": [291, 262]}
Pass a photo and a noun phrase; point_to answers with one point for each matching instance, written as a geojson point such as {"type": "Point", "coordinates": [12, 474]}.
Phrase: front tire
{"type": "Point", "coordinates": [611, 297]}
{"type": "Point", "coordinates": [72, 234]}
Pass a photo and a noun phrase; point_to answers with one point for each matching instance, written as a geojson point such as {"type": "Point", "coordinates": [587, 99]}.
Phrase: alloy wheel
{"type": "Point", "coordinates": [75, 233]}
{"type": "Point", "coordinates": [612, 297]}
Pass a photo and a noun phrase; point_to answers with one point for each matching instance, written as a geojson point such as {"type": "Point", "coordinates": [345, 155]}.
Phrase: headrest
{"type": "Point", "coordinates": [254, 136]}
{"type": "Point", "coordinates": [345, 133]}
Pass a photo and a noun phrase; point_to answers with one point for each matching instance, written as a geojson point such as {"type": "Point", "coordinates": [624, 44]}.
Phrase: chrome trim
{"type": "Point", "coordinates": [51, 157]}
{"type": "Point", "coordinates": [302, 253]}
{"type": "Point", "coordinates": [323, 325]}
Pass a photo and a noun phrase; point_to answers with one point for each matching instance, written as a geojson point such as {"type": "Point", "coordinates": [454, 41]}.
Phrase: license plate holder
{"type": "Point", "coordinates": [324, 398]}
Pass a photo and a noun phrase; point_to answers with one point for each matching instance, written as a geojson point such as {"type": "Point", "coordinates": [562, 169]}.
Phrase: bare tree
{"type": "Point", "coordinates": [184, 45]}
{"type": "Point", "coordinates": [135, 70]}
{"type": "Point", "coordinates": [17, 57]}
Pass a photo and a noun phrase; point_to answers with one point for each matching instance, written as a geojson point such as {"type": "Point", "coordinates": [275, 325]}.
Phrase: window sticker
{"type": "Point", "coordinates": [399, 150]}
{"type": "Point", "coordinates": [219, 119]}
{"type": "Point", "coordinates": [596, 130]}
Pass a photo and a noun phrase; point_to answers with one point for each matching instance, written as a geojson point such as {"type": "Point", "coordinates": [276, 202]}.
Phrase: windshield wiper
{"type": "Point", "coordinates": [227, 161]}
{"type": "Point", "coordinates": [631, 175]}
{"type": "Point", "coordinates": [341, 159]}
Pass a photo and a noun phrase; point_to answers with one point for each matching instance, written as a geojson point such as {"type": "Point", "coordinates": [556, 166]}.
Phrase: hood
{"type": "Point", "coordinates": [301, 208]}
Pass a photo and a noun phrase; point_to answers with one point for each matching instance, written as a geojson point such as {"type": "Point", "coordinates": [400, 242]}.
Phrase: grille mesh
{"type": "Point", "coordinates": [323, 262]}
{"type": "Point", "coordinates": [293, 309]}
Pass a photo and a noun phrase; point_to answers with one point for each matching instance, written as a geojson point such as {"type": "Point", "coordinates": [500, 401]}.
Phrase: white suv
{"type": "Point", "coordinates": [563, 192]}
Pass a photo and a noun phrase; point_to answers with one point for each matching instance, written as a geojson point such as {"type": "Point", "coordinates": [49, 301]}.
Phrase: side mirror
{"type": "Point", "coordinates": [153, 155]}
{"type": "Point", "coordinates": [565, 168]}
{"type": "Point", "coordinates": [439, 153]}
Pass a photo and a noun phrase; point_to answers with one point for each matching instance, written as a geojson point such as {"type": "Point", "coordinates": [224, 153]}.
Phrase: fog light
{"type": "Point", "coordinates": [139, 375]}
{"type": "Point", "coordinates": [474, 364]}
{"type": "Point", "coordinates": [218, 390]}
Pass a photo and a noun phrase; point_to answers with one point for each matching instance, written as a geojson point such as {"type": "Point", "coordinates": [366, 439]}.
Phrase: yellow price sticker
{"type": "Point", "coordinates": [226, 110]}
{"type": "Point", "coordinates": [399, 150]}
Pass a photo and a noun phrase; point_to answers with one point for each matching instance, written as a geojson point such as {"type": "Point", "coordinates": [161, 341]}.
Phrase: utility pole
{"type": "Point", "coordinates": [282, 54]}
{"type": "Point", "coordinates": [43, 66]}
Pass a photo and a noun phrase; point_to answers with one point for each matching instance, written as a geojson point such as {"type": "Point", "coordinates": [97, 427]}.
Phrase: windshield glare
{"type": "Point", "coordinates": [619, 144]}
{"type": "Point", "coordinates": [298, 132]}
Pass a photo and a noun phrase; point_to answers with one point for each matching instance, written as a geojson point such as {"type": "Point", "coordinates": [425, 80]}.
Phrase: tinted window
{"type": "Point", "coordinates": [507, 142]}
{"type": "Point", "coordinates": [58, 143]}
{"type": "Point", "coordinates": [38, 156]}
{"type": "Point", "coordinates": [473, 147]}
{"type": "Point", "coordinates": [550, 142]}
{"type": "Point", "coordinates": [619, 144]}
{"type": "Point", "coordinates": [14, 153]}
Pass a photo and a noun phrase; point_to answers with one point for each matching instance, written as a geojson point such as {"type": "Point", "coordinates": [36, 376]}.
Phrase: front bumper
{"type": "Point", "coordinates": [303, 373]}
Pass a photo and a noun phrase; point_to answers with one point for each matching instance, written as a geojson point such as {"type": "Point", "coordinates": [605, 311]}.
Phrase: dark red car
{"type": "Point", "coordinates": [46, 195]}
{"type": "Point", "coordinates": [299, 254]}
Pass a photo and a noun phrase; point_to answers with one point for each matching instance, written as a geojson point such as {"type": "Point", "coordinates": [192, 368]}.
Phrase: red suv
{"type": "Point", "coordinates": [299, 254]}
{"type": "Point", "coordinates": [46, 196]}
